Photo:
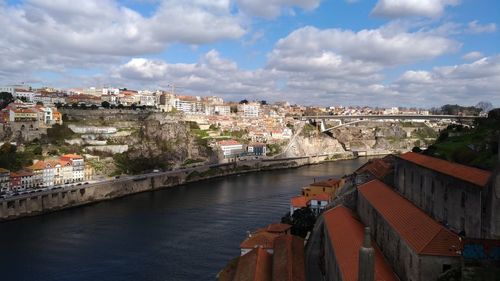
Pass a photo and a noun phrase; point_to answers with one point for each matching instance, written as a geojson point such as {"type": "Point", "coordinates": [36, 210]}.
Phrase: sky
{"type": "Point", "coordinates": [421, 53]}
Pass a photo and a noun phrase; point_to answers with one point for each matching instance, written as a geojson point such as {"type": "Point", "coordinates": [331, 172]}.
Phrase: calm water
{"type": "Point", "coordinates": [183, 233]}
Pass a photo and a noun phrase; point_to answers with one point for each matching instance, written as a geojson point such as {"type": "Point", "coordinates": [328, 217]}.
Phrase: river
{"type": "Point", "coordinates": [183, 233]}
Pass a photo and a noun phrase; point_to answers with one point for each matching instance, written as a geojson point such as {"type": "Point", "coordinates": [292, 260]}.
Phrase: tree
{"type": "Point", "coordinates": [74, 105]}
{"type": "Point", "coordinates": [120, 106]}
{"type": "Point", "coordinates": [5, 99]}
{"type": "Point", "coordinates": [485, 106]}
{"type": "Point", "coordinates": [233, 109]}
{"type": "Point", "coordinates": [263, 102]}
{"type": "Point", "coordinates": [245, 101]}
{"type": "Point", "coordinates": [93, 107]}
{"type": "Point", "coordinates": [302, 221]}
{"type": "Point", "coordinates": [39, 103]}
{"type": "Point", "coordinates": [105, 104]}
{"type": "Point", "coordinates": [58, 104]}
{"type": "Point", "coordinates": [83, 106]}
{"type": "Point", "coordinates": [133, 106]}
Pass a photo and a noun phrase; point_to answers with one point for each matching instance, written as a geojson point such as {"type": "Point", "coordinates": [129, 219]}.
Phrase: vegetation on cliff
{"type": "Point", "coordinates": [474, 146]}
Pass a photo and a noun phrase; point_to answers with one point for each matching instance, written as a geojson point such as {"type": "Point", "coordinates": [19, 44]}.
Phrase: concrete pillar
{"type": "Point", "coordinates": [366, 270]}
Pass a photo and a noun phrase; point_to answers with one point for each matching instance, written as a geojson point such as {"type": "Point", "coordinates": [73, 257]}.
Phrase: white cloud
{"type": "Point", "coordinates": [56, 35]}
{"type": "Point", "coordinates": [273, 8]}
{"type": "Point", "coordinates": [472, 56]}
{"type": "Point", "coordinates": [476, 27]}
{"type": "Point", "coordinates": [370, 45]}
{"type": "Point", "coordinates": [462, 84]}
{"type": "Point", "coordinates": [403, 8]}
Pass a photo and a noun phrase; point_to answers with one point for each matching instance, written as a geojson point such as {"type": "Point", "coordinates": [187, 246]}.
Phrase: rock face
{"type": "Point", "coordinates": [314, 145]}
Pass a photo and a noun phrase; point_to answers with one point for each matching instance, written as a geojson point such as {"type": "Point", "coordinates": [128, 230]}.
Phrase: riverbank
{"type": "Point", "coordinates": [60, 199]}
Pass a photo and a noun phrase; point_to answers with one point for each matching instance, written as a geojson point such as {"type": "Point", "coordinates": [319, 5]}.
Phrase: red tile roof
{"type": "Point", "coordinates": [422, 233]}
{"type": "Point", "coordinates": [469, 174]}
{"type": "Point", "coordinates": [278, 227]}
{"type": "Point", "coordinates": [327, 183]}
{"type": "Point", "coordinates": [228, 142]}
{"type": "Point", "coordinates": [260, 239]}
{"type": "Point", "coordinates": [288, 259]}
{"type": "Point", "coordinates": [2, 170]}
{"type": "Point", "coordinates": [346, 234]}
{"type": "Point", "coordinates": [377, 167]}
{"type": "Point", "coordinates": [70, 156]}
{"type": "Point", "coordinates": [299, 201]}
{"type": "Point", "coordinates": [255, 265]}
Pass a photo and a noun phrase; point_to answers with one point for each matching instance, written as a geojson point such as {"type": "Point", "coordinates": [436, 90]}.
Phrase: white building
{"type": "Point", "coordinates": [230, 148]}
{"type": "Point", "coordinates": [78, 165]}
{"type": "Point", "coordinates": [223, 110]}
{"type": "Point", "coordinates": [23, 94]}
{"type": "Point", "coordinates": [250, 110]}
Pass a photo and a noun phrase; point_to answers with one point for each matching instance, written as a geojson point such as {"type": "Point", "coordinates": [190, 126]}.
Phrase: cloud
{"type": "Point", "coordinates": [472, 56]}
{"type": "Point", "coordinates": [462, 84]}
{"type": "Point", "coordinates": [475, 27]}
{"type": "Point", "coordinates": [379, 46]}
{"type": "Point", "coordinates": [404, 8]}
{"type": "Point", "coordinates": [212, 75]}
{"type": "Point", "coordinates": [56, 35]}
{"type": "Point", "coordinates": [273, 8]}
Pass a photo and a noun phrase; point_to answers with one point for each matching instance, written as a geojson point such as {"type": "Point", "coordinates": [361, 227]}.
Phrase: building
{"type": "Point", "coordinates": [78, 165]}
{"type": "Point", "coordinates": [298, 202]}
{"type": "Point", "coordinates": [4, 180]}
{"type": "Point", "coordinates": [342, 237]}
{"type": "Point", "coordinates": [250, 110]}
{"type": "Point", "coordinates": [230, 148]}
{"type": "Point", "coordinates": [287, 262]}
{"type": "Point", "coordinates": [418, 247]}
{"type": "Point", "coordinates": [15, 181]}
{"type": "Point", "coordinates": [27, 178]}
{"type": "Point", "coordinates": [329, 186]}
{"type": "Point", "coordinates": [223, 110]}
{"type": "Point", "coordinates": [43, 173]}
{"type": "Point", "coordinates": [261, 239]}
{"type": "Point", "coordinates": [257, 149]}
{"type": "Point", "coordinates": [318, 203]}
{"type": "Point", "coordinates": [459, 196]}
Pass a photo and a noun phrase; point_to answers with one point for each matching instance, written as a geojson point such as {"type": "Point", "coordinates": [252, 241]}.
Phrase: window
{"type": "Point", "coordinates": [421, 182]}
{"type": "Point", "coordinates": [445, 195]}
{"type": "Point", "coordinates": [462, 201]}
{"type": "Point", "coordinates": [446, 267]}
{"type": "Point", "coordinates": [462, 224]}
{"type": "Point", "coordinates": [432, 187]}
{"type": "Point", "coordinates": [411, 261]}
{"type": "Point", "coordinates": [445, 215]}
{"type": "Point", "coordinates": [411, 177]}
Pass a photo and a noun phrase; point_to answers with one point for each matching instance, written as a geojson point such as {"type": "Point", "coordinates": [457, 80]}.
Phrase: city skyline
{"type": "Point", "coordinates": [311, 52]}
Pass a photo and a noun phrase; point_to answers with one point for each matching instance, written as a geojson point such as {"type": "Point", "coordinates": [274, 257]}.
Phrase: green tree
{"type": "Point", "coordinates": [105, 104]}
{"type": "Point", "coordinates": [5, 99]}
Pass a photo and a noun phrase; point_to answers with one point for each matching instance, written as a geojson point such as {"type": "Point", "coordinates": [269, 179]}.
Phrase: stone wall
{"type": "Point", "coordinates": [446, 199]}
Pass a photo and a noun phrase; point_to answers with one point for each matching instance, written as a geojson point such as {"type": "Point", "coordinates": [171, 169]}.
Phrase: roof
{"type": "Point", "coordinates": [2, 171]}
{"type": "Point", "coordinates": [327, 183]}
{"type": "Point", "coordinates": [346, 234]}
{"type": "Point", "coordinates": [39, 165]}
{"type": "Point", "coordinates": [255, 265]}
{"type": "Point", "coordinates": [72, 156]}
{"type": "Point", "coordinates": [260, 239]}
{"type": "Point", "coordinates": [322, 197]}
{"type": "Point", "coordinates": [299, 201]}
{"type": "Point", "coordinates": [377, 167]}
{"type": "Point", "coordinates": [278, 227]}
{"type": "Point", "coordinates": [469, 174]}
{"type": "Point", "coordinates": [288, 259]}
{"type": "Point", "coordinates": [228, 142]}
{"type": "Point", "coordinates": [422, 233]}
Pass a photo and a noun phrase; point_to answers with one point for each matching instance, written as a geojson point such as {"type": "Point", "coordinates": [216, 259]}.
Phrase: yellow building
{"type": "Point", "coordinates": [329, 186]}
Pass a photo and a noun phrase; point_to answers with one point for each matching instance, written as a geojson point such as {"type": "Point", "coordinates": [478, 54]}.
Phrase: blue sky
{"type": "Point", "coordinates": [382, 52]}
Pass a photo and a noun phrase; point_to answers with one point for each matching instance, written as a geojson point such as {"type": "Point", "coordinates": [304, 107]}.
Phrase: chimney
{"type": "Point", "coordinates": [366, 259]}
